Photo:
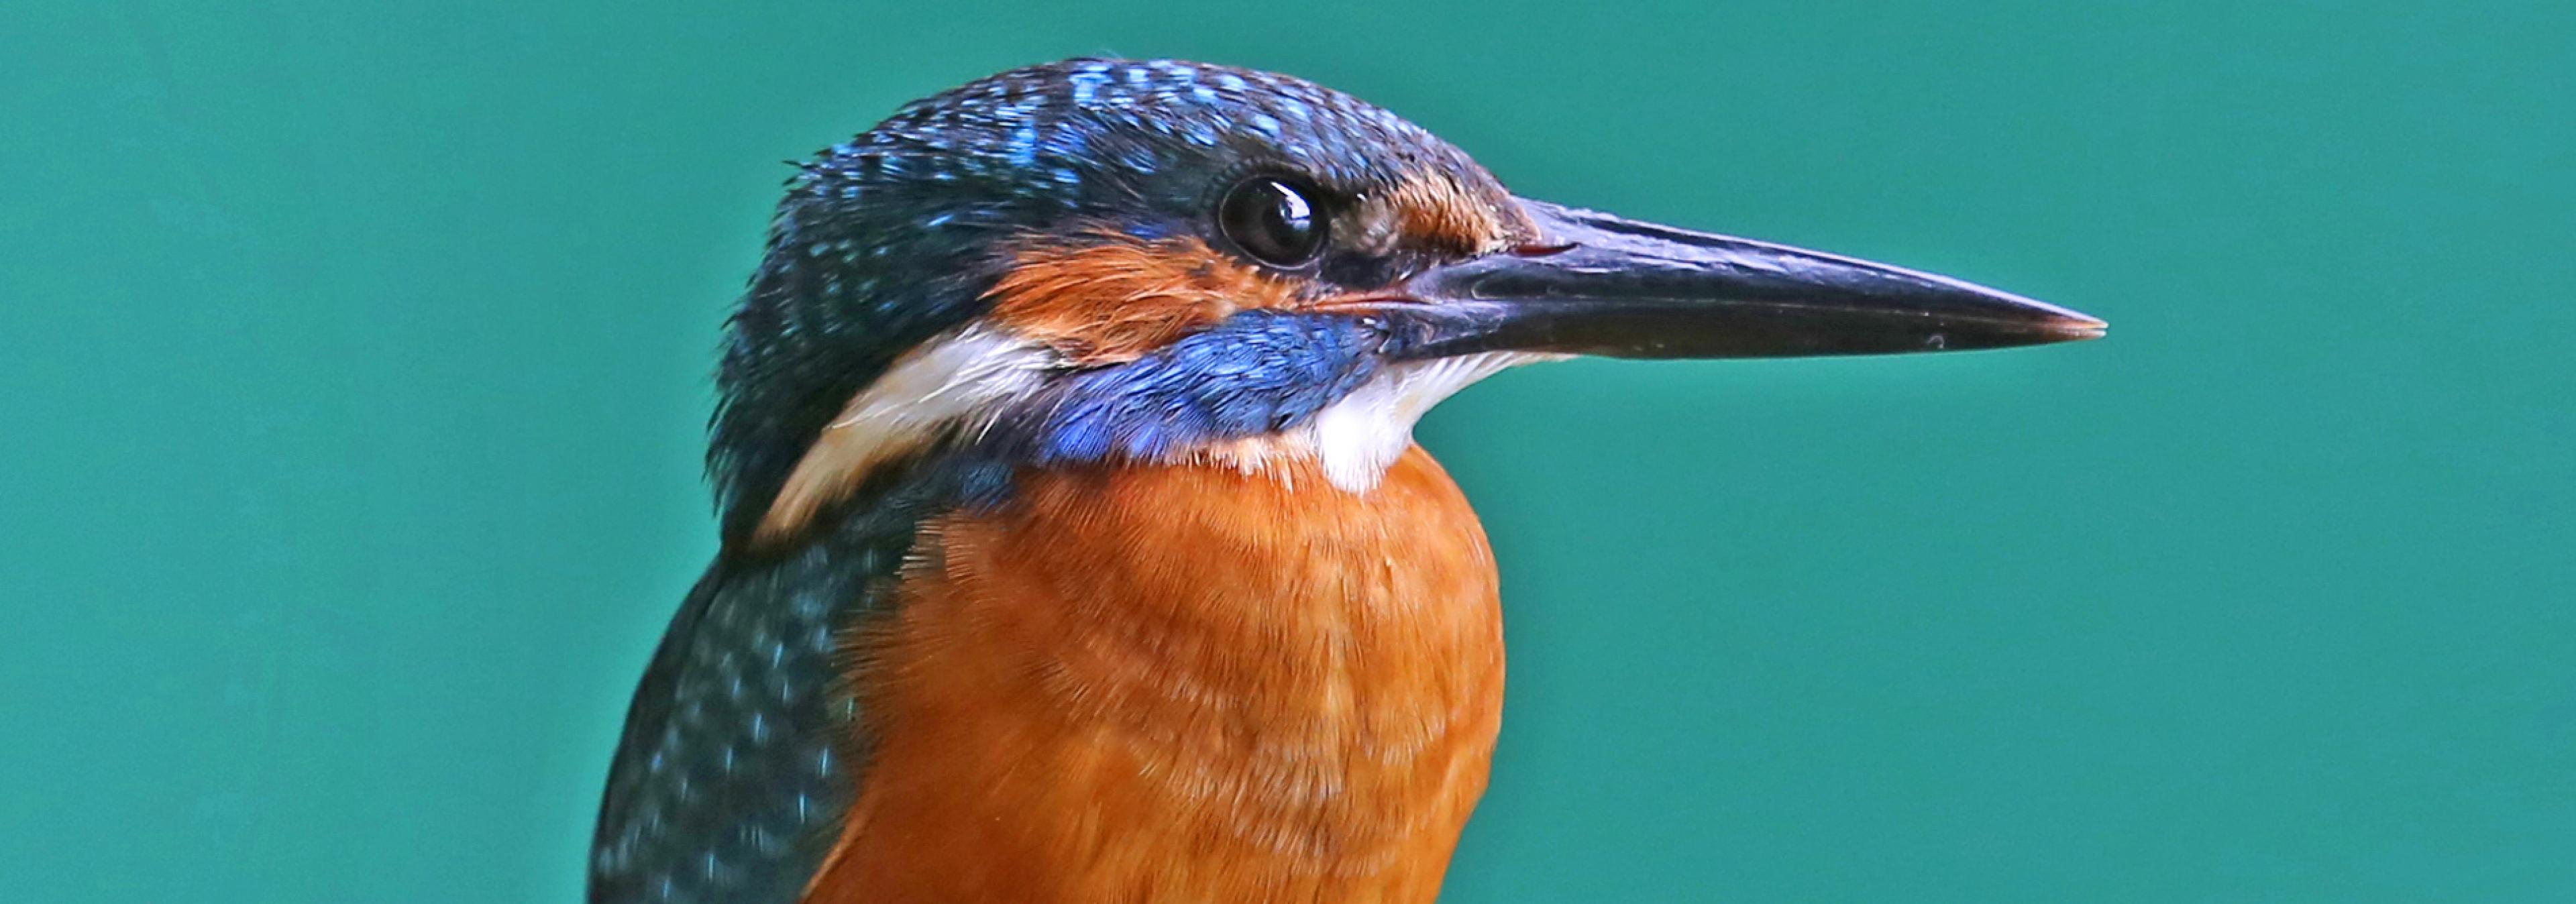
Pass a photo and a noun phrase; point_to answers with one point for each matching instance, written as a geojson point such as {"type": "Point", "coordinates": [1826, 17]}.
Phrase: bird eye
{"type": "Point", "coordinates": [1273, 220]}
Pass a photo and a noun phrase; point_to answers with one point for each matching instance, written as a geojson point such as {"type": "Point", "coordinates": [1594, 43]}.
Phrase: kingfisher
{"type": "Point", "coordinates": [1074, 543]}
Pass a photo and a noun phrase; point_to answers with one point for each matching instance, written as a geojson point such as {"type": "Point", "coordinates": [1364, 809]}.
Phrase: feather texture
{"type": "Point", "coordinates": [1112, 684]}
{"type": "Point", "coordinates": [738, 758]}
{"type": "Point", "coordinates": [1178, 684]}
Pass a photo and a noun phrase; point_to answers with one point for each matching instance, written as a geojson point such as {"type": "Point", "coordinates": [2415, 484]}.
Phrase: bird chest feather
{"type": "Point", "coordinates": [1185, 683]}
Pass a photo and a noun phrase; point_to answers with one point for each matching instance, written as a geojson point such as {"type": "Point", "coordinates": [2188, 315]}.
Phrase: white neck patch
{"type": "Point", "coordinates": [959, 381]}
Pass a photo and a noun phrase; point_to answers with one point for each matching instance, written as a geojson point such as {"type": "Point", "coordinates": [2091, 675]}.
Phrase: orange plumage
{"type": "Point", "coordinates": [1301, 708]}
{"type": "Point", "coordinates": [1116, 298]}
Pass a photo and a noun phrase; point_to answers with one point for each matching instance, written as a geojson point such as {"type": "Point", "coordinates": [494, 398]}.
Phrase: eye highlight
{"type": "Point", "coordinates": [1272, 219]}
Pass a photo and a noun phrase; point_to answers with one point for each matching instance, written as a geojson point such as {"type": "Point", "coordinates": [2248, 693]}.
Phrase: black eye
{"type": "Point", "coordinates": [1273, 220]}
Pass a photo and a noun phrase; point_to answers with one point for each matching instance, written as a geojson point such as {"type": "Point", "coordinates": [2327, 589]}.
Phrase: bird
{"type": "Point", "coordinates": [1074, 544]}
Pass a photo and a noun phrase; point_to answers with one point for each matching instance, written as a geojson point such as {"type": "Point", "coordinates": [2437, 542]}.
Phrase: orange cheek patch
{"type": "Point", "coordinates": [1435, 213]}
{"type": "Point", "coordinates": [1122, 298]}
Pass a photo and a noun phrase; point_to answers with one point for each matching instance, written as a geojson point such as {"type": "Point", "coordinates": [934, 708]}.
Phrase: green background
{"type": "Point", "coordinates": [356, 355]}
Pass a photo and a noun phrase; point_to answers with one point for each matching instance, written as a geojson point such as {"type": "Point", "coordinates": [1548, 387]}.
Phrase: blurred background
{"type": "Point", "coordinates": [356, 357]}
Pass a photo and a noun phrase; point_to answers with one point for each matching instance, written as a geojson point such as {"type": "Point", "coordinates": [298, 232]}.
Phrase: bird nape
{"type": "Point", "coordinates": [1075, 545]}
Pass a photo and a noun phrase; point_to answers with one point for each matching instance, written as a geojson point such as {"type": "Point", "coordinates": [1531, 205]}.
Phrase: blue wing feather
{"type": "Point", "coordinates": [742, 748]}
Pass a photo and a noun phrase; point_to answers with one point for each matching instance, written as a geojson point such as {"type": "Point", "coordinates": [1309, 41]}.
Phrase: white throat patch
{"type": "Point", "coordinates": [1356, 438]}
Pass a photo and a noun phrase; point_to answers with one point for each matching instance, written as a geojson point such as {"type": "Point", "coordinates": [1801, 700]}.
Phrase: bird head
{"type": "Point", "coordinates": [1168, 262]}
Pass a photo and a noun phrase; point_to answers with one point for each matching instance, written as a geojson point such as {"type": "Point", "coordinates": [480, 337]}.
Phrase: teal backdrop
{"type": "Point", "coordinates": [353, 359]}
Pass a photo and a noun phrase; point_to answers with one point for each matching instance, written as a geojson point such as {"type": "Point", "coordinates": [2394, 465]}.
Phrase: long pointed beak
{"type": "Point", "coordinates": [1602, 285]}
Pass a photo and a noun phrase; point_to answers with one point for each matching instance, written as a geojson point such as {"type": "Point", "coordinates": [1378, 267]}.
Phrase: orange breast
{"type": "Point", "coordinates": [1180, 684]}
